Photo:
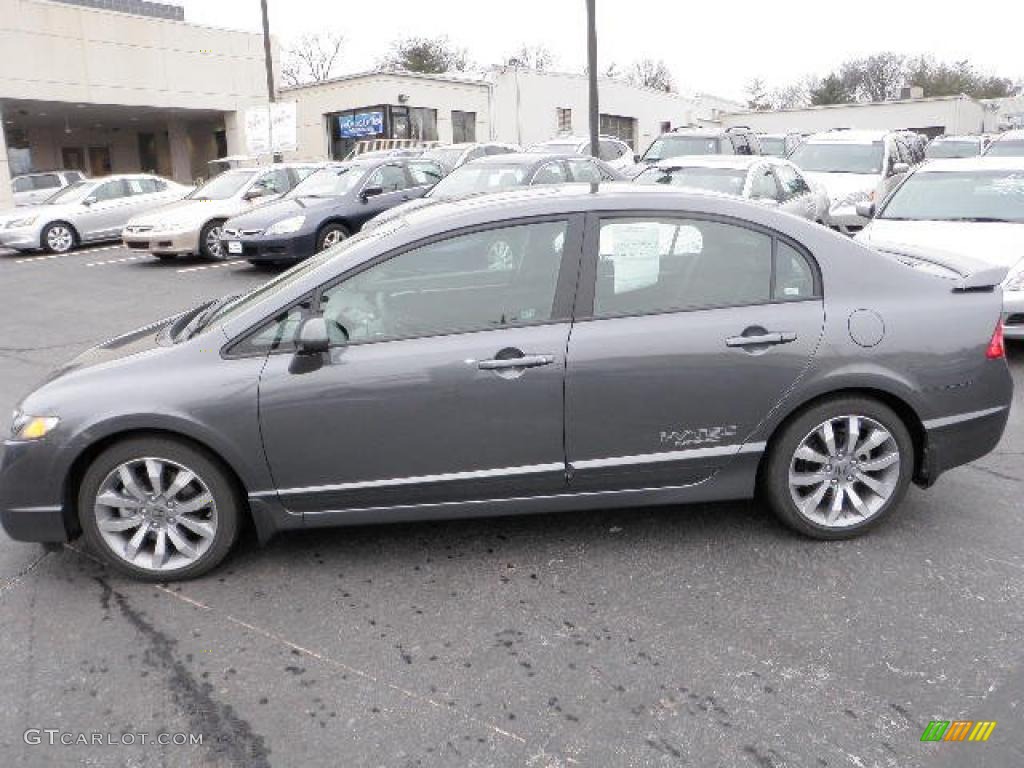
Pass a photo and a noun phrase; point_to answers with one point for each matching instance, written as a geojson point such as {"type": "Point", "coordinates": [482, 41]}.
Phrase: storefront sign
{"type": "Point", "coordinates": [361, 124]}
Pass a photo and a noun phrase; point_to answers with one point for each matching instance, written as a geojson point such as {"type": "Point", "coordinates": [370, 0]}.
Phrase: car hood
{"type": "Point", "coordinates": [841, 185]}
{"type": "Point", "coordinates": [189, 213]}
{"type": "Point", "coordinates": [991, 242]}
{"type": "Point", "coordinates": [268, 214]}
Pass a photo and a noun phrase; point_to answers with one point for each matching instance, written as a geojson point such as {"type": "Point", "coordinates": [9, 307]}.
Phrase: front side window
{"type": "Point", "coordinates": [584, 170]}
{"type": "Point", "coordinates": [224, 186]}
{"type": "Point", "coordinates": [793, 184]}
{"type": "Point", "coordinates": [477, 178]}
{"type": "Point", "coordinates": [424, 173]}
{"type": "Point", "coordinates": [480, 281]}
{"type": "Point", "coordinates": [390, 178]}
{"type": "Point", "coordinates": [763, 185]}
{"type": "Point", "coordinates": [333, 181]}
{"type": "Point", "coordinates": [277, 181]}
{"type": "Point", "coordinates": [23, 184]}
{"type": "Point", "coordinates": [662, 265]}
{"type": "Point", "coordinates": [111, 190]}
{"type": "Point", "coordinates": [610, 150]}
{"type": "Point", "coordinates": [551, 173]}
{"type": "Point", "coordinates": [46, 181]}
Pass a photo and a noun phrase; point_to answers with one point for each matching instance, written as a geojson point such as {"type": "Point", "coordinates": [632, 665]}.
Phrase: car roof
{"type": "Point", "coordinates": [740, 162]}
{"type": "Point", "coordinates": [848, 137]}
{"type": "Point", "coordinates": [520, 158]}
{"type": "Point", "coordinates": [983, 163]}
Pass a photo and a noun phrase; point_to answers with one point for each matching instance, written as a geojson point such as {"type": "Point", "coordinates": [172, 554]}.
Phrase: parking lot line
{"type": "Point", "coordinates": [231, 263]}
{"type": "Point", "coordinates": [117, 261]}
{"type": "Point", "coordinates": [52, 256]}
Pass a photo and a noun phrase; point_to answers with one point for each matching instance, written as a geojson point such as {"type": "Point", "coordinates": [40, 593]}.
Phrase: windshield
{"type": "Point", "coordinates": [959, 196]}
{"type": "Point", "coordinates": [555, 148]}
{"type": "Point", "coordinates": [839, 158]}
{"type": "Point", "coordinates": [228, 184]}
{"type": "Point", "coordinates": [1006, 149]}
{"type": "Point", "coordinates": [472, 179]}
{"type": "Point", "coordinates": [952, 149]}
{"type": "Point", "coordinates": [446, 157]}
{"type": "Point", "coordinates": [329, 182]}
{"type": "Point", "coordinates": [71, 192]}
{"type": "Point", "coordinates": [727, 180]}
{"type": "Point", "coordinates": [677, 146]}
{"type": "Point", "coordinates": [773, 145]}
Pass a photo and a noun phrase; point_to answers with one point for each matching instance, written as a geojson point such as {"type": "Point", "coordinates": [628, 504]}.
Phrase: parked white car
{"type": "Point", "coordinates": [971, 207]}
{"type": "Point", "coordinates": [34, 188]}
{"type": "Point", "coordinates": [193, 225]}
{"type": "Point", "coordinates": [854, 167]}
{"type": "Point", "coordinates": [770, 181]}
{"type": "Point", "coordinates": [614, 151]}
{"type": "Point", "coordinates": [85, 212]}
{"type": "Point", "coordinates": [452, 156]}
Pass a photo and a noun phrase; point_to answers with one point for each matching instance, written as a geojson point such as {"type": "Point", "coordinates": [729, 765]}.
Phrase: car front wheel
{"type": "Point", "coordinates": [209, 241]}
{"type": "Point", "coordinates": [839, 467]}
{"type": "Point", "coordinates": [58, 237]}
{"type": "Point", "coordinates": [158, 509]}
{"type": "Point", "coordinates": [330, 236]}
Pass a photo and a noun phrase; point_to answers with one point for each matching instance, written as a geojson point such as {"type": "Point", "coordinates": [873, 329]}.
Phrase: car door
{"type": "Point", "coordinates": [104, 212]}
{"type": "Point", "coordinates": [383, 188]}
{"type": "Point", "coordinates": [445, 379]}
{"type": "Point", "coordinates": [796, 194]}
{"type": "Point", "coordinates": [683, 343]}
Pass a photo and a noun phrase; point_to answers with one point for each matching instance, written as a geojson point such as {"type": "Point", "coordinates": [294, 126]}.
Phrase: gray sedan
{"type": "Point", "coordinates": [538, 350]}
{"type": "Point", "coordinates": [86, 211]}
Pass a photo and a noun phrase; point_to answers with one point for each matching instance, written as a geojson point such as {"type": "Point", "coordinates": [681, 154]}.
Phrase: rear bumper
{"type": "Point", "coordinates": [172, 243]}
{"type": "Point", "coordinates": [31, 507]}
{"type": "Point", "coordinates": [291, 248]}
{"type": "Point", "coordinates": [961, 439]}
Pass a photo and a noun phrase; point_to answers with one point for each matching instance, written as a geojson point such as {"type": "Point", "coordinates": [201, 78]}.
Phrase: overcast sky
{"type": "Point", "coordinates": [709, 46]}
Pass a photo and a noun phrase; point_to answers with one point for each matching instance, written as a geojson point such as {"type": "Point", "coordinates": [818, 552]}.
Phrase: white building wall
{"type": "Point", "coordinates": [367, 90]}
{"type": "Point", "coordinates": [953, 115]}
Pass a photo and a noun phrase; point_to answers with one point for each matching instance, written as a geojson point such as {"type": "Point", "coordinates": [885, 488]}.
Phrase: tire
{"type": "Point", "coordinates": [329, 236]}
{"type": "Point", "coordinates": [803, 475]}
{"type": "Point", "coordinates": [58, 237]}
{"type": "Point", "coordinates": [194, 541]}
{"type": "Point", "coordinates": [209, 241]}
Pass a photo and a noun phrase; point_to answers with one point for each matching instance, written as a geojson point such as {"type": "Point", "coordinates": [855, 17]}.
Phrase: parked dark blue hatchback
{"type": "Point", "coordinates": [327, 207]}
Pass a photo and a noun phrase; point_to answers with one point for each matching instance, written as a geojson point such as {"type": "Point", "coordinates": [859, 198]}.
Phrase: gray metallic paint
{"type": "Point", "coordinates": [390, 425]}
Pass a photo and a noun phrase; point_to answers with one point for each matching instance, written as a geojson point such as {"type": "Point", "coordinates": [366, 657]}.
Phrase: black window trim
{"type": "Point", "coordinates": [562, 303]}
{"type": "Point", "coordinates": [583, 309]}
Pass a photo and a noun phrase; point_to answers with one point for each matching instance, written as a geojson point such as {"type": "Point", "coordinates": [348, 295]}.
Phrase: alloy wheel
{"type": "Point", "coordinates": [844, 471]}
{"type": "Point", "coordinates": [59, 238]}
{"type": "Point", "coordinates": [332, 238]}
{"type": "Point", "coordinates": [213, 244]}
{"type": "Point", "coordinates": [156, 514]}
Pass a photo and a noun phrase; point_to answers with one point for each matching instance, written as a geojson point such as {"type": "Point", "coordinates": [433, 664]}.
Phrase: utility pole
{"type": "Point", "coordinates": [592, 71]}
{"type": "Point", "coordinates": [268, 60]}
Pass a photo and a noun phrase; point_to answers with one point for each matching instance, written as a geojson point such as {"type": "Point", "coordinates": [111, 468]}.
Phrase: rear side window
{"type": "Point", "coordinates": [552, 173]}
{"type": "Point", "coordinates": [22, 184]}
{"type": "Point", "coordinates": [648, 266]}
{"type": "Point", "coordinates": [46, 181]}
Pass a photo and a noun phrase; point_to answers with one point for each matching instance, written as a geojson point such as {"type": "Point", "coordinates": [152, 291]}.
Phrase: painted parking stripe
{"type": "Point", "coordinates": [117, 261]}
{"type": "Point", "coordinates": [222, 265]}
{"type": "Point", "coordinates": [52, 256]}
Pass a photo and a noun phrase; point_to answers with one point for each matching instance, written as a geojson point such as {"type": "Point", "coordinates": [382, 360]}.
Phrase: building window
{"type": "Point", "coordinates": [564, 115]}
{"type": "Point", "coordinates": [666, 126]}
{"type": "Point", "coordinates": [422, 124]}
{"type": "Point", "coordinates": [620, 127]}
{"type": "Point", "coordinates": [463, 126]}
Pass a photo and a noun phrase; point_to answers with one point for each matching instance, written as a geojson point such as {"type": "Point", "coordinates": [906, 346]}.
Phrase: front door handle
{"type": "Point", "coordinates": [526, 361]}
{"type": "Point", "coordinates": [761, 340]}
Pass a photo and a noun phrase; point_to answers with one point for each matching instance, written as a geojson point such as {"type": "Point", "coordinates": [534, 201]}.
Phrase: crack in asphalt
{"type": "Point", "coordinates": [227, 735]}
{"type": "Point", "coordinates": [14, 580]}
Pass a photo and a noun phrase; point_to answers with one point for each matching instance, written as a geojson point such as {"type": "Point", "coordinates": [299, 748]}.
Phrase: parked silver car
{"type": "Point", "coordinates": [33, 188]}
{"type": "Point", "coordinates": [194, 225]}
{"type": "Point", "coordinates": [854, 167]}
{"type": "Point", "coordinates": [613, 150]}
{"type": "Point", "coordinates": [452, 156]}
{"type": "Point", "coordinates": [85, 212]}
{"type": "Point", "coordinates": [769, 181]}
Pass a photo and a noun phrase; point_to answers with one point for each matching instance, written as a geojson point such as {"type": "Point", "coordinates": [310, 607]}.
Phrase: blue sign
{"type": "Point", "coordinates": [361, 124]}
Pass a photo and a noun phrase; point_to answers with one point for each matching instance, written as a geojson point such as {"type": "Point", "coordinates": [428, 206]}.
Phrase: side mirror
{"type": "Point", "coordinates": [88, 201]}
{"type": "Point", "coordinates": [865, 209]}
{"type": "Point", "coordinates": [898, 168]}
{"type": "Point", "coordinates": [369, 192]}
{"type": "Point", "coordinates": [313, 338]}
{"type": "Point", "coordinates": [636, 159]}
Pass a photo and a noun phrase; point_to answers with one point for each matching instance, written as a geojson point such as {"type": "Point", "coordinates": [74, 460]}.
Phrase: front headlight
{"type": "Point", "coordinates": [24, 222]}
{"type": "Point", "coordinates": [286, 226]}
{"type": "Point", "coordinates": [26, 427]}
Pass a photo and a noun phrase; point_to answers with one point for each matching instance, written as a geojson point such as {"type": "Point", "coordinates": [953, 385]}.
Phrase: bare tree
{"type": "Point", "coordinates": [311, 58]}
{"type": "Point", "coordinates": [537, 57]}
{"type": "Point", "coordinates": [649, 73]}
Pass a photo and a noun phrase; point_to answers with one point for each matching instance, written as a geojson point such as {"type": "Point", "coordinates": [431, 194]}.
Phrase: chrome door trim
{"type": "Point", "coordinates": [684, 455]}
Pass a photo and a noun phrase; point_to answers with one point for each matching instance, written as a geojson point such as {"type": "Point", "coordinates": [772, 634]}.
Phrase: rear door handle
{"type": "Point", "coordinates": [761, 340]}
{"type": "Point", "coordinates": [526, 361]}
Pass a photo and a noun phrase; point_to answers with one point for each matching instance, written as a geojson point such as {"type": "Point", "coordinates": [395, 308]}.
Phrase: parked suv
{"type": "Point", "coordinates": [1009, 144]}
{"type": "Point", "coordinates": [32, 188]}
{"type": "Point", "coordinates": [702, 141]}
{"type": "Point", "coordinates": [614, 151]}
{"type": "Point", "coordinates": [854, 167]}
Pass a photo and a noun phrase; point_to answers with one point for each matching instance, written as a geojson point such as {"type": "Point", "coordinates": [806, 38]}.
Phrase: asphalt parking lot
{"type": "Point", "coordinates": [703, 636]}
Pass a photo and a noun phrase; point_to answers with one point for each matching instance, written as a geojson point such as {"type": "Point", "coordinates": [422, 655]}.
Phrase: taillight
{"type": "Point", "coordinates": [996, 347]}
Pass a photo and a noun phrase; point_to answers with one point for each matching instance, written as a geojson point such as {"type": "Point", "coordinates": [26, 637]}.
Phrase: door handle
{"type": "Point", "coordinates": [526, 361]}
{"type": "Point", "coordinates": [761, 340]}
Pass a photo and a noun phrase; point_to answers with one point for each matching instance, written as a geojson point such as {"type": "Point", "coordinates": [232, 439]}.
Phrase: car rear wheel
{"type": "Point", "coordinates": [840, 467]}
{"type": "Point", "coordinates": [58, 237]}
{"type": "Point", "coordinates": [209, 241]}
{"type": "Point", "coordinates": [158, 509]}
{"type": "Point", "coordinates": [330, 236]}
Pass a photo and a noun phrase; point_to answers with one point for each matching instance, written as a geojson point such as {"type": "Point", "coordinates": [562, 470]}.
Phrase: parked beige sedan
{"type": "Point", "coordinates": [193, 225]}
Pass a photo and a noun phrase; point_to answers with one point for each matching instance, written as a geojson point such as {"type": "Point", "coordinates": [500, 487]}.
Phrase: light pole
{"type": "Point", "coordinates": [268, 60]}
{"type": "Point", "coordinates": [592, 70]}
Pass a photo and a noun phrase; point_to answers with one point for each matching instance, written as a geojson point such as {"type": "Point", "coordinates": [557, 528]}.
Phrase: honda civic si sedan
{"type": "Point", "coordinates": [544, 349]}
